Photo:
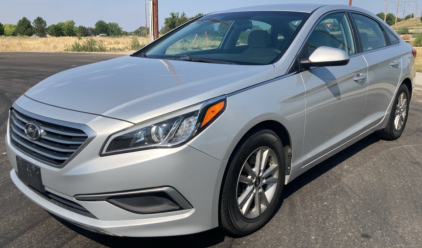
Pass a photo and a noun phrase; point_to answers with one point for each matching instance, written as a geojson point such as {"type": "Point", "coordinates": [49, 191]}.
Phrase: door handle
{"type": "Point", "coordinates": [395, 64]}
{"type": "Point", "coordinates": [359, 78]}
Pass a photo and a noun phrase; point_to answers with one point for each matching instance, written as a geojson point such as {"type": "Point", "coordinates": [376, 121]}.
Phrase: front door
{"type": "Point", "coordinates": [336, 95]}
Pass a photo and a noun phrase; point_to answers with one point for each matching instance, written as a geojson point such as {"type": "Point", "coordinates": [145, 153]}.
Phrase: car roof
{"type": "Point", "coordinates": [307, 8]}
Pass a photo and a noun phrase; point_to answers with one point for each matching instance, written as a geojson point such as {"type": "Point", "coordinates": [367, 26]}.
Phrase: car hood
{"type": "Point", "coordinates": [135, 89]}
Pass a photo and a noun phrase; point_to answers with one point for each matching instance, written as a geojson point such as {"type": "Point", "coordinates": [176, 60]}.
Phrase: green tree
{"type": "Point", "coordinates": [69, 28]}
{"type": "Point", "coordinates": [391, 19]}
{"type": "Point", "coordinates": [55, 30]}
{"type": "Point", "coordinates": [1, 29]}
{"type": "Point", "coordinates": [82, 31]}
{"type": "Point", "coordinates": [91, 31]}
{"type": "Point", "coordinates": [24, 27]}
{"type": "Point", "coordinates": [174, 21]}
{"type": "Point", "coordinates": [9, 29]}
{"type": "Point", "coordinates": [141, 31]}
{"type": "Point", "coordinates": [40, 26]}
{"type": "Point", "coordinates": [101, 27]}
{"type": "Point", "coordinates": [114, 29]}
{"type": "Point", "coordinates": [381, 15]}
{"type": "Point", "coordinates": [409, 16]}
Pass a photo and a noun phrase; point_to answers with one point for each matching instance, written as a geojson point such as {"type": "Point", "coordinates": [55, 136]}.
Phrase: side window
{"type": "Point", "coordinates": [333, 31]}
{"type": "Point", "coordinates": [256, 25]}
{"type": "Point", "coordinates": [393, 39]}
{"type": "Point", "coordinates": [370, 33]}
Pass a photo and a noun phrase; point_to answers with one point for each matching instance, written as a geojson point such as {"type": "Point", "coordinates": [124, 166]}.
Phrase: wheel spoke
{"type": "Point", "coordinates": [257, 202]}
{"type": "Point", "coordinates": [271, 180]}
{"type": "Point", "coordinates": [264, 199]}
{"type": "Point", "coordinates": [245, 196]}
{"type": "Point", "coordinates": [248, 203]}
{"type": "Point", "coordinates": [258, 161]}
{"type": "Point", "coordinates": [396, 122]}
{"type": "Point", "coordinates": [248, 169]}
{"type": "Point", "coordinates": [403, 103]}
{"type": "Point", "coordinates": [246, 180]}
{"type": "Point", "coordinates": [270, 171]}
{"type": "Point", "coordinates": [264, 160]}
{"type": "Point", "coordinates": [401, 99]}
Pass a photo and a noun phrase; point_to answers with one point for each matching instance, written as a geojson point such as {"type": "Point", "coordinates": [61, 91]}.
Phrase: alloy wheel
{"type": "Point", "coordinates": [401, 112]}
{"type": "Point", "coordinates": [257, 182]}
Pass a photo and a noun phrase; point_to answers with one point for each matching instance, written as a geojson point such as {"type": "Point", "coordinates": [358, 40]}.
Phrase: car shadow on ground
{"type": "Point", "coordinates": [216, 236]}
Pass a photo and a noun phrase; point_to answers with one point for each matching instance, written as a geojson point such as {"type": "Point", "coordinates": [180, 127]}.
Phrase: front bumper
{"type": "Point", "coordinates": [194, 174]}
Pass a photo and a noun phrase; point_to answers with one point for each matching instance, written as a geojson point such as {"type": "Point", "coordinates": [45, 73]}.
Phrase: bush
{"type": "Point", "coordinates": [134, 43]}
{"type": "Point", "coordinates": [89, 45]}
{"type": "Point", "coordinates": [404, 30]}
{"type": "Point", "coordinates": [418, 40]}
{"type": "Point", "coordinates": [1, 29]}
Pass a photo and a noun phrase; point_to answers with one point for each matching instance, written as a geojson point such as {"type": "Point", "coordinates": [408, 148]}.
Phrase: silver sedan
{"type": "Point", "coordinates": [204, 126]}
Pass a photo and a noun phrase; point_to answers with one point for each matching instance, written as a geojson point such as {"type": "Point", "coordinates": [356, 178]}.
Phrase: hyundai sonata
{"type": "Point", "coordinates": [203, 127]}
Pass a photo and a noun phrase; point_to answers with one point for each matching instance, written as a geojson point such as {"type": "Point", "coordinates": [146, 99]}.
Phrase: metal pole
{"type": "Point", "coordinates": [397, 12]}
{"type": "Point", "coordinates": [350, 2]}
{"type": "Point", "coordinates": [386, 7]}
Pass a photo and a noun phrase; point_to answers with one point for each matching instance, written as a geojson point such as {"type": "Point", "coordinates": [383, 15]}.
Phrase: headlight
{"type": "Point", "coordinates": [168, 131]}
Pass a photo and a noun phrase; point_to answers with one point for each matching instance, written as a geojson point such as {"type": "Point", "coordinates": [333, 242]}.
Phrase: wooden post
{"type": "Point", "coordinates": [155, 18]}
{"type": "Point", "coordinates": [350, 2]}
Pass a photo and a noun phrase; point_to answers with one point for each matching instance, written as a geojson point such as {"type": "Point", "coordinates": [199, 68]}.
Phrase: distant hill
{"type": "Point", "coordinates": [409, 23]}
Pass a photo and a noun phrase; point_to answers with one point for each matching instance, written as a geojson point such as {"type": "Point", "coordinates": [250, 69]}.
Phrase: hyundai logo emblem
{"type": "Point", "coordinates": [33, 131]}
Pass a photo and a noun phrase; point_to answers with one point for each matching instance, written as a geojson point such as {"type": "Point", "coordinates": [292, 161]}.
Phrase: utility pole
{"type": "Point", "coordinates": [397, 12]}
{"type": "Point", "coordinates": [155, 18]}
{"type": "Point", "coordinates": [350, 2]}
{"type": "Point", "coordinates": [146, 19]}
{"type": "Point", "coordinates": [386, 8]}
{"type": "Point", "coordinates": [404, 10]}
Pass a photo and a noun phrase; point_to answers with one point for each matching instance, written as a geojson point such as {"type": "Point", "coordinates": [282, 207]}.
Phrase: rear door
{"type": "Point", "coordinates": [384, 59]}
{"type": "Point", "coordinates": [335, 96]}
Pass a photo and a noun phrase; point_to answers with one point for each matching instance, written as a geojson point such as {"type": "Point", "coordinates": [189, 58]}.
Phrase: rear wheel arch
{"type": "Point", "coordinates": [408, 83]}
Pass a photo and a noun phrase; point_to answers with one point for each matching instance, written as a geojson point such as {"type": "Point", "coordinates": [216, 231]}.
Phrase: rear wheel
{"type": "Point", "coordinates": [253, 183]}
{"type": "Point", "coordinates": [398, 115]}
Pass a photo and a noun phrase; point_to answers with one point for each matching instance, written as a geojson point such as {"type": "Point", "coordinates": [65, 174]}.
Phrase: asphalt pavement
{"type": "Point", "coordinates": [369, 195]}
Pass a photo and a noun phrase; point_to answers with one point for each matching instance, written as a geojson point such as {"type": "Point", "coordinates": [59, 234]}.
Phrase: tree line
{"type": "Point", "coordinates": [391, 18]}
{"type": "Point", "coordinates": [68, 28]}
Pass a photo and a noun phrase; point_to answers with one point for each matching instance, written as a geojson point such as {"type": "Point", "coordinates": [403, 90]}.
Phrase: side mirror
{"type": "Point", "coordinates": [326, 56]}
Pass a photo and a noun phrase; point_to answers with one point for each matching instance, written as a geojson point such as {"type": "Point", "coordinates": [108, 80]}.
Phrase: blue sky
{"type": "Point", "coordinates": [130, 14]}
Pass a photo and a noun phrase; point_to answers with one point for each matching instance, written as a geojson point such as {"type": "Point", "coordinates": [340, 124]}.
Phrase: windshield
{"type": "Point", "coordinates": [254, 38]}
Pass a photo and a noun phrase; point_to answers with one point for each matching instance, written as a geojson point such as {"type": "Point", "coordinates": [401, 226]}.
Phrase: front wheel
{"type": "Point", "coordinates": [253, 183]}
{"type": "Point", "coordinates": [398, 115]}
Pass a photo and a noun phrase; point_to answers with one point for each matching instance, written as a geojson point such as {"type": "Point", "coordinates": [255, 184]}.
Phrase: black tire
{"type": "Point", "coordinates": [231, 219]}
{"type": "Point", "coordinates": [390, 132]}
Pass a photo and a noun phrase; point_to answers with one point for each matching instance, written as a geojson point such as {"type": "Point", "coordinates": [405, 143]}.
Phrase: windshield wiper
{"type": "Point", "coordinates": [203, 60]}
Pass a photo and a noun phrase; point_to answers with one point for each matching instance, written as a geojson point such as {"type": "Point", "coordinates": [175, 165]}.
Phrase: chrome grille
{"type": "Point", "coordinates": [57, 144]}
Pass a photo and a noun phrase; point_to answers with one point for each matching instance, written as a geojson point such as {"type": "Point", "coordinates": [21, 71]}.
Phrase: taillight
{"type": "Point", "coordinates": [414, 52]}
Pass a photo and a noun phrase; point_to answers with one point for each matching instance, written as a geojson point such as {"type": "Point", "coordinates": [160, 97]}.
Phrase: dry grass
{"type": "Point", "coordinates": [418, 61]}
{"type": "Point", "coordinates": [62, 44]}
{"type": "Point", "coordinates": [409, 23]}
